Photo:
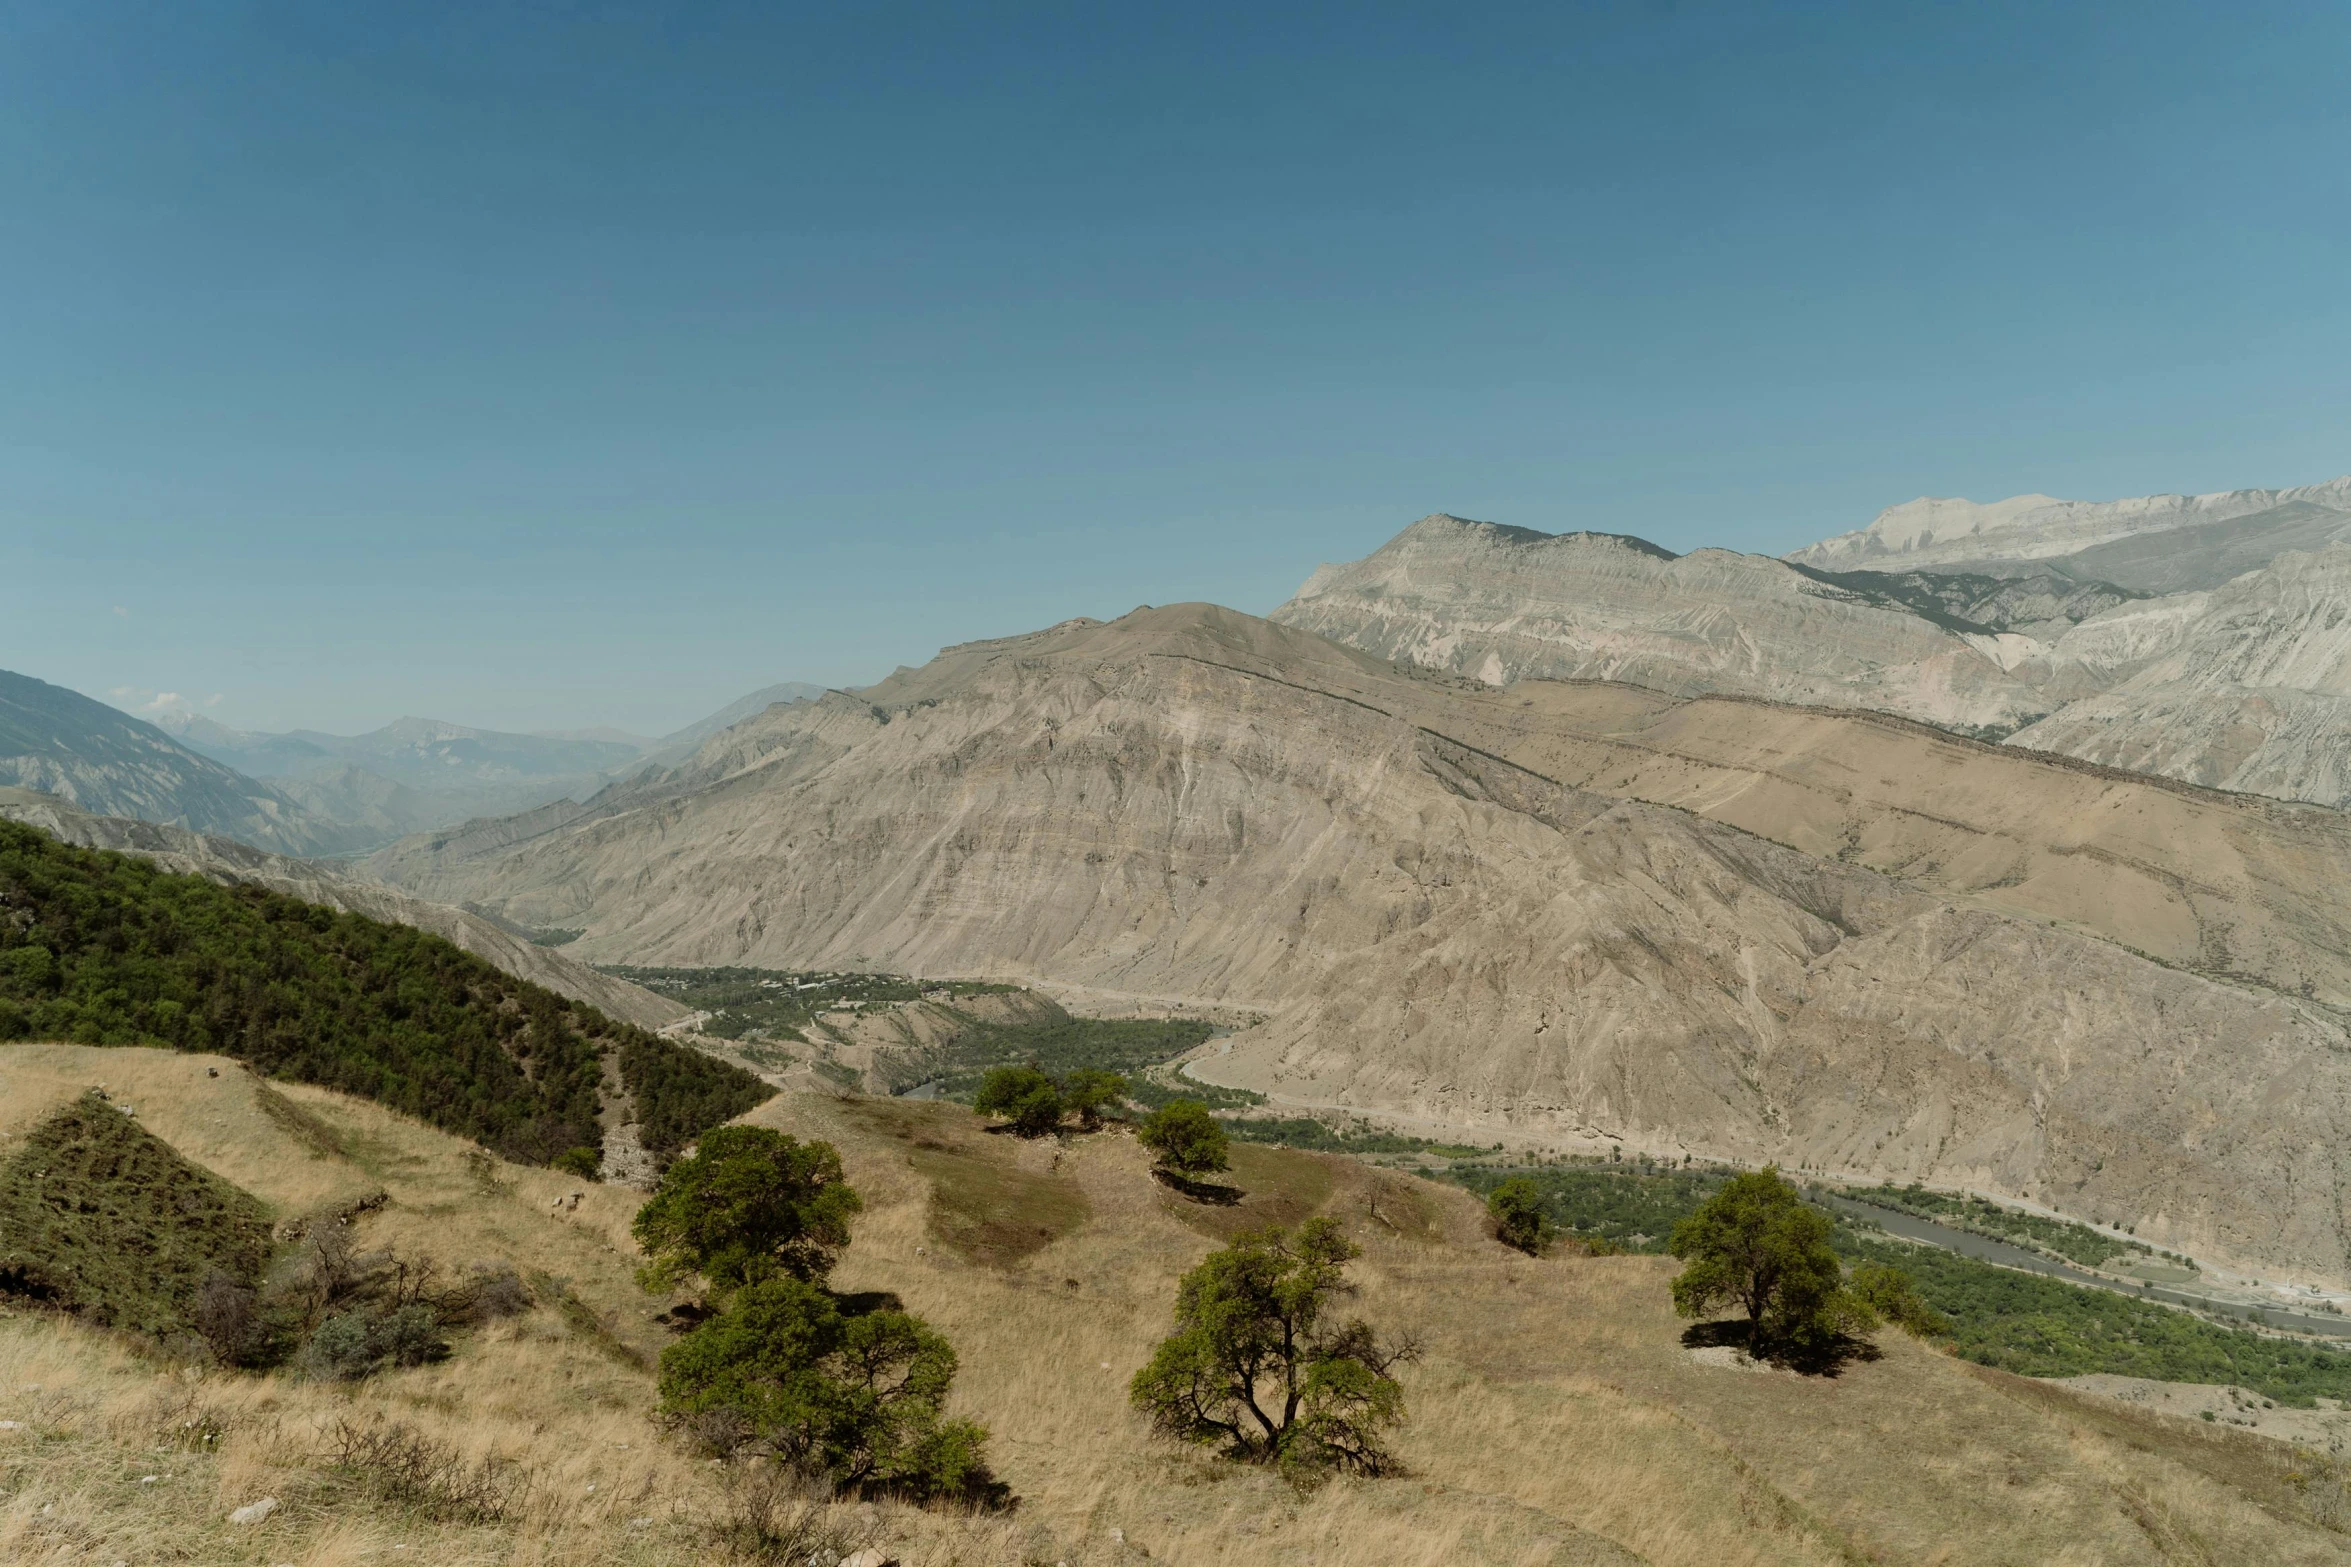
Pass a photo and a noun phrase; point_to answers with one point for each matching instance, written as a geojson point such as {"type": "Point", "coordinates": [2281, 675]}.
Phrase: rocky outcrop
{"type": "Point", "coordinates": [1389, 866]}
{"type": "Point", "coordinates": [224, 860]}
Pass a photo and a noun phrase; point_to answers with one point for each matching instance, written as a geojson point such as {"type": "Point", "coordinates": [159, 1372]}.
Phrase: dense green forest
{"type": "Point", "coordinates": [104, 949]}
{"type": "Point", "coordinates": [2022, 1322]}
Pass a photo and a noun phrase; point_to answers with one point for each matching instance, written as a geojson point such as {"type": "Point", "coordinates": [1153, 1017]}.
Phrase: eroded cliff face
{"type": "Point", "coordinates": [1395, 869]}
{"type": "Point", "coordinates": [2246, 687]}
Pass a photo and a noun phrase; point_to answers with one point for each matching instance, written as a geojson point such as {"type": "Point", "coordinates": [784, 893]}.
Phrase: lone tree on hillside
{"type": "Point", "coordinates": [1517, 1210]}
{"type": "Point", "coordinates": [1757, 1245]}
{"type": "Point", "coordinates": [1185, 1140]}
{"type": "Point", "coordinates": [850, 1399]}
{"type": "Point", "coordinates": [844, 1396]}
{"type": "Point", "coordinates": [1253, 1364]}
{"type": "Point", "coordinates": [749, 1205]}
{"type": "Point", "coordinates": [1022, 1095]}
{"type": "Point", "coordinates": [1090, 1095]}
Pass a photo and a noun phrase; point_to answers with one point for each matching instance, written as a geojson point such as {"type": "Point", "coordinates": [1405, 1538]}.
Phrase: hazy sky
{"type": "Point", "coordinates": [561, 364]}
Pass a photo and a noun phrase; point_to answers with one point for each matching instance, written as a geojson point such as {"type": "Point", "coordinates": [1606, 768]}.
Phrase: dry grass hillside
{"type": "Point", "coordinates": [1555, 1419]}
{"type": "Point", "coordinates": [1911, 959]}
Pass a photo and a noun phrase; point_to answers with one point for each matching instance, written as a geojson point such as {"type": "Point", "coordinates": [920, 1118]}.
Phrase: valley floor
{"type": "Point", "coordinates": [1555, 1416]}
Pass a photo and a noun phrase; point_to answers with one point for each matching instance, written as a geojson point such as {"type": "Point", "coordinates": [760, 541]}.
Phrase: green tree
{"type": "Point", "coordinates": [856, 1400]}
{"type": "Point", "coordinates": [1889, 1294]}
{"type": "Point", "coordinates": [1184, 1138]}
{"type": "Point", "coordinates": [1022, 1095]}
{"type": "Point", "coordinates": [1755, 1244]}
{"type": "Point", "coordinates": [750, 1204]}
{"type": "Point", "coordinates": [1517, 1210]}
{"type": "Point", "coordinates": [1254, 1365]}
{"type": "Point", "coordinates": [1089, 1094]}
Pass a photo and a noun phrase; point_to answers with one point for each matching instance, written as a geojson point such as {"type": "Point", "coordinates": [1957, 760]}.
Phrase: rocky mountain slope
{"type": "Point", "coordinates": [2156, 543]}
{"type": "Point", "coordinates": [186, 853]}
{"type": "Point", "coordinates": [1503, 604]}
{"type": "Point", "coordinates": [1192, 803]}
{"type": "Point", "coordinates": [2238, 686]}
{"type": "Point", "coordinates": [105, 761]}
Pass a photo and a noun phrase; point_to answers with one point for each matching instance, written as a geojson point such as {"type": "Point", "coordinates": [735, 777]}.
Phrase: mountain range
{"type": "Point", "coordinates": [1593, 912]}
{"type": "Point", "coordinates": [1923, 853]}
{"type": "Point", "coordinates": [2210, 650]}
{"type": "Point", "coordinates": [305, 792]}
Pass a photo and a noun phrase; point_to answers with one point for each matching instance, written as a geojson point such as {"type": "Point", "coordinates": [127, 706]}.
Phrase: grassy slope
{"type": "Point", "coordinates": [105, 949]}
{"type": "Point", "coordinates": [1556, 1418]}
{"type": "Point", "coordinates": [101, 1217]}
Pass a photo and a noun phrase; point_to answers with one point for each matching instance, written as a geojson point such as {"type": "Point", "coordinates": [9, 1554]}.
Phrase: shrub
{"type": "Point", "coordinates": [1517, 1209]}
{"type": "Point", "coordinates": [583, 1161]}
{"type": "Point", "coordinates": [1757, 1245]}
{"type": "Point", "coordinates": [400, 1465]}
{"type": "Point", "coordinates": [354, 1343]}
{"type": "Point", "coordinates": [853, 1400]}
{"type": "Point", "coordinates": [1185, 1139]}
{"type": "Point", "coordinates": [750, 1204]}
{"type": "Point", "coordinates": [1252, 1364]}
{"type": "Point", "coordinates": [1023, 1096]}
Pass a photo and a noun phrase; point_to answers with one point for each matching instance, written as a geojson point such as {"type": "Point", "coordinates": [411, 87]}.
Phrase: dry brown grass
{"type": "Point", "coordinates": [1555, 1417]}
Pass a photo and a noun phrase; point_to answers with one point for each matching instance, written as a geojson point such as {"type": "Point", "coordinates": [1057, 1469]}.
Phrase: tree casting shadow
{"type": "Point", "coordinates": [1200, 1191]}
{"type": "Point", "coordinates": [1824, 1358]}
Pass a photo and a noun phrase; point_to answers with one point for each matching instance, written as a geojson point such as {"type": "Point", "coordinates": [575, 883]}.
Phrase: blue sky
{"type": "Point", "coordinates": [553, 365]}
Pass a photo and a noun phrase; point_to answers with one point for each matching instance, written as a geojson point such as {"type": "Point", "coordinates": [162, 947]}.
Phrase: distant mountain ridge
{"type": "Point", "coordinates": [422, 774]}
{"type": "Point", "coordinates": [105, 761]}
{"type": "Point", "coordinates": [2236, 682]}
{"type": "Point", "coordinates": [1931, 532]}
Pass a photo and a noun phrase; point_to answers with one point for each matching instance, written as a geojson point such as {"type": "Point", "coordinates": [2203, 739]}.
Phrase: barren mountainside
{"type": "Point", "coordinates": [1458, 903]}
{"type": "Point", "coordinates": [2237, 686]}
{"type": "Point", "coordinates": [2162, 543]}
{"type": "Point", "coordinates": [1503, 604]}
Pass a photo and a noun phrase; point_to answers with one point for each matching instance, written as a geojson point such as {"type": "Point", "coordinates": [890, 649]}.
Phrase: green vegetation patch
{"type": "Point", "coordinates": [100, 1217]}
{"type": "Point", "coordinates": [1632, 1209]}
{"type": "Point", "coordinates": [99, 948]}
{"type": "Point", "coordinates": [1060, 1046]}
{"type": "Point", "coordinates": [754, 1003]}
{"type": "Point", "coordinates": [2044, 1327]}
{"type": "Point", "coordinates": [2021, 1322]}
{"type": "Point", "coordinates": [2059, 1238]}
